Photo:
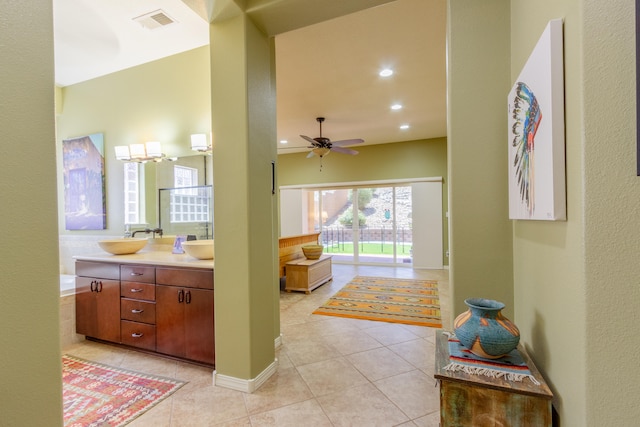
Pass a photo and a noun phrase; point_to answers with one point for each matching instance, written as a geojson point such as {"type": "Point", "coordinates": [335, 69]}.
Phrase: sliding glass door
{"type": "Point", "coordinates": [376, 222]}
{"type": "Point", "coordinates": [367, 225]}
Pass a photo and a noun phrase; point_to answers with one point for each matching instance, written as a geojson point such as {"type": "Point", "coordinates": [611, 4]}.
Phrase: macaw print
{"type": "Point", "coordinates": [527, 117]}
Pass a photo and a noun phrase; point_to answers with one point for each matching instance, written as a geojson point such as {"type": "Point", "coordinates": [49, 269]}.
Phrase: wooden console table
{"type": "Point", "coordinates": [307, 274]}
{"type": "Point", "coordinates": [478, 400]}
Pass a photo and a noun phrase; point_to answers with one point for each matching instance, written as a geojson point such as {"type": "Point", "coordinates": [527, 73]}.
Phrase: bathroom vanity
{"type": "Point", "coordinates": [152, 301]}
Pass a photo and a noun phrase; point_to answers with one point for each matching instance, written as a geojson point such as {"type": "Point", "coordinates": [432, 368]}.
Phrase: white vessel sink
{"type": "Point", "coordinates": [201, 249]}
{"type": "Point", "coordinates": [123, 246]}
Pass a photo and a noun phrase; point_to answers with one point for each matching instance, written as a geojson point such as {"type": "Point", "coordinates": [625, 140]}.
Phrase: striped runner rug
{"type": "Point", "coordinates": [384, 299]}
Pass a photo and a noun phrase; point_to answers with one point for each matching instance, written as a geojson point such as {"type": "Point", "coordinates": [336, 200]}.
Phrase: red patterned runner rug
{"type": "Point", "coordinates": [94, 394]}
{"type": "Point", "coordinates": [408, 301]}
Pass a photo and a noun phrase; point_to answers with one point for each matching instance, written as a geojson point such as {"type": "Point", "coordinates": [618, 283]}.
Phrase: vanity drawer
{"type": "Point", "coordinates": [138, 273]}
{"type": "Point", "coordinates": [189, 278]}
{"type": "Point", "coordinates": [137, 290]}
{"type": "Point", "coordinates": [138, 311]}
{"type": "Point", "coordinates": [100, 270]}
{"type": "Point", "coordinates": [138, 335]}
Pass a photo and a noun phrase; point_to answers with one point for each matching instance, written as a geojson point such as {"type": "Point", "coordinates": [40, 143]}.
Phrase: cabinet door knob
{"type": "Point", "coordinates": [137, 335]}
{"type": "Point", "coordinates": [99, 289]}
{"type": "Point", "coordinates": [181, 296]}
{"type": "Point", "coordinates": [188, 298]}
{"type": "Point", "coordinates": [136, 311]}
{"type": "Point", "coordinates": [94, 286]}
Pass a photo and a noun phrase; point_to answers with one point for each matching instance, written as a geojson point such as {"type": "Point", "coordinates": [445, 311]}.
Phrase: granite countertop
{"type": "Point", "coordinates": [152, 257]}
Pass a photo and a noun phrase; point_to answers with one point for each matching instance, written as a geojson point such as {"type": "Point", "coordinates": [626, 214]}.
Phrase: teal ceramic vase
{"type": "Point", "coordinates": [484, 330]}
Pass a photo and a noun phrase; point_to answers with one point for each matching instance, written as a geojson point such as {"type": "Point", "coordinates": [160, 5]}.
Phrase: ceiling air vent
{"type": "Point", "coordinates": [156, 19]}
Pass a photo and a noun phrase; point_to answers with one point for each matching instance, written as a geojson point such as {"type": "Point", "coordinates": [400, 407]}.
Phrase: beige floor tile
{"type": "Point", "coordinates": [149, 364]}
{"type": "Point", "coordinates": [207, 406]}
{"type": "Point", "coordinates": [284, 388]}
{"type": "Point", "coordinates": [307, 413]}
{"type": "Point", "coordinates": [363, 406]}
{"type": "Point", "coordinates": [241, 422]}
{"type": "Point", "coordinates": [390, 333]}
{"type": "Point", "coordinates": [96, 352]}
{"type": "Point", "coordinates": [431, 420]}
{"type": "Point", "coordinates": [330, 376]}
{"type": "Point", "coordinates": [352, 342]}
{"type": "Point", "coordinates": [304, 353]}
{"type": "Point", "coordinates": [413, 392]}
{"type": "Point", "coordinates": [420, 353]}
{"type": "Point", "coordinates": [158, 416]}
{"type": "Point", "coordinates": [379, 363]}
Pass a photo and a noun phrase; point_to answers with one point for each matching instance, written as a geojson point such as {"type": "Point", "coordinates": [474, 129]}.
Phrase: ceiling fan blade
{"type": "Point", "coordinates": [343, 150]}
{"type": "Point", "coordinates": [301, 147]}
{"type": "Point", "coordinates": [311, 140]}
{"type": "Point", "coordinates": [345, 142]}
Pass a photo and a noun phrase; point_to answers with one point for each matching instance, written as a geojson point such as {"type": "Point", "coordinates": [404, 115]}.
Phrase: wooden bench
{"type": "Point", "coordinates": [290, 248]}
{"type": "Point", "coordinates": [307, 274]}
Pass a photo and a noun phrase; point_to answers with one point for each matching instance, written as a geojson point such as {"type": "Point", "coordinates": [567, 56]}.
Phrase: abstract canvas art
{"type": "Point", "coordinates": [536, 133]}
{"type": "Point", "coordinates": [84, 195]}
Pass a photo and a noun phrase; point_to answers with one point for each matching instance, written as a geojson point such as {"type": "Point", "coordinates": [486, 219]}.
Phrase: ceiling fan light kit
{"type": "Point", "coordinates": [322, 146]}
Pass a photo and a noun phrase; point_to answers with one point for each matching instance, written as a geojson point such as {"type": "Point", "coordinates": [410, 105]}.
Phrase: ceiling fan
{"type": "Point", "coordinates": [322, 146]}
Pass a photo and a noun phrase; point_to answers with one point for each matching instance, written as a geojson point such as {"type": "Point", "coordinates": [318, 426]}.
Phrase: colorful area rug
{"type": "Point", "coordinates": [94, 394]}
{"type": "Point", "coordinates": [511, 367]}
{"type": "Point", "coordinates": [408, 301]}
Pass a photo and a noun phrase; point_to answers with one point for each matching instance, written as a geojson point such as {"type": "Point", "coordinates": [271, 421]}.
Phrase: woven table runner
{"type": "Point", "coordinates": [511, 367]}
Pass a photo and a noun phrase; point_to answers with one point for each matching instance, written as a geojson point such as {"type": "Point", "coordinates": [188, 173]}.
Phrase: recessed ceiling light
{"type": "Point", "coordinates": [403, 127]}
{"type": "Point", "coordinates": [386, 72]}
{"type": "Point", "coordinates": [284, 141]}
{"type": "Point", "coordinates": [396, 106]}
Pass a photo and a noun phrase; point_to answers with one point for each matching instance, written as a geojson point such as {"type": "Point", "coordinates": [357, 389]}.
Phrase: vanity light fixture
{"type": "Point", "coordinates": [199, 143]}
{"type": "Point", "coordinates": [405, 126]}
{"type": "Point", "coordinates": [141, 153]}
{"type": "Point", "coordinates": [396, 106]}
{"type": "Point", "coordinates": [386, 72]}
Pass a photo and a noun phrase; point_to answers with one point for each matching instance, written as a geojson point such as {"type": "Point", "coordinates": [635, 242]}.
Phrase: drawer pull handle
{"type": "Point", "coordinates": [137, 335]}
{"type": "Point", "coordinates": [136, 290]}
{"type": "Point", "coordinates": [187, 298]}
{"type": "Point", "coordinates": [137, 274]}
{"type": "Point", "coordinates": [180, 296]}
{"type": "Point", "coordinates": [136, 311]}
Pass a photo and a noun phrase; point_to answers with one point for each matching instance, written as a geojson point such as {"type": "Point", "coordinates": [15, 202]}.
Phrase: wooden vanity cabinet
{"type": "Point", "coordinates": [184, 314]}
{"type": "Point", "coordinates": [138, 306]}
{"type": "Point", "coordinates": [98, 300]}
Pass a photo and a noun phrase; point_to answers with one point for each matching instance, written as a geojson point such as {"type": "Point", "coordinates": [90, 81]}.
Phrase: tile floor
{"type": "Point", "coordinates": [332, 371]}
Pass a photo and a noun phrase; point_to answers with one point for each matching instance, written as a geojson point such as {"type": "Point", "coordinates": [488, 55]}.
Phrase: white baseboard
{"type": "Point", "coordinates": [246, 386]}
{"type": "Point", "coordinates": [278, 341]}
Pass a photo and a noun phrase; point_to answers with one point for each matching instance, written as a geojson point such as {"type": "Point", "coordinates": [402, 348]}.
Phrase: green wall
{"type": "Point", "coordinates": [549, 276]}
{"type": "Point", "coordinates": [165, 100]}
{"type": "Point", "coordinates": [478, 84]}
{"type": "Point", "coordinates": [611, 212]}
{"type": "Point", "coordinates": [30, 359]}
{"type": "Point", "coordinates": [575, 284]}
{"type": "Point", "coordinates": [400, 160]}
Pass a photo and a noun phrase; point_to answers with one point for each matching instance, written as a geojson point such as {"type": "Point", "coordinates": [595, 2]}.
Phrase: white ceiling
{"type": "Point", "coordinates": [327, 69]}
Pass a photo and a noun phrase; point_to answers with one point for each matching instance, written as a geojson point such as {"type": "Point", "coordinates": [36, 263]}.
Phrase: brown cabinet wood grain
{"type": "Point", "coordinates": [98, 308]}
{"type": "Point", "coordinates": [184, 323]}
{"type": "Point", "coordinates": [140, 335]}
{"type": "Point", "coordinates": [167, 310]}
